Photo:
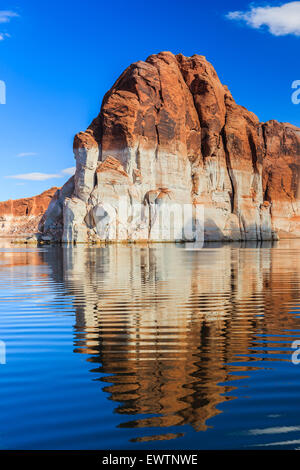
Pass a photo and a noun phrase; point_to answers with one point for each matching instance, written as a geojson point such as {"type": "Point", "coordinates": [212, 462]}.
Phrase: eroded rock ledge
{"type": "Point", "coordinates": [170, 132]}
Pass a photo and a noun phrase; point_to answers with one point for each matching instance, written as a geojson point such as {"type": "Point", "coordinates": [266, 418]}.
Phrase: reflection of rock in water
{"type": "Point", "coordinates": [166, 323]}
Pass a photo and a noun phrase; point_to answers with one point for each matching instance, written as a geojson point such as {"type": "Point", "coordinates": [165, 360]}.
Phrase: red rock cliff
{"type": "Point", "coordinates": [23, 215]}
{"type": "Point", "coordinates": [169, 133]}
{"type": "Point", "coordinates": [34, 206]}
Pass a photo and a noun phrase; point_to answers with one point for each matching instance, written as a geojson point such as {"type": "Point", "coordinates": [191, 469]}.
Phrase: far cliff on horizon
{"type": "Point", "coordinates": [170, 133]}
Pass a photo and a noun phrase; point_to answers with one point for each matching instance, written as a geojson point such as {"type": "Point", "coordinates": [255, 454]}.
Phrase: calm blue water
{"type": "Point", "coordinates": [150, 347]}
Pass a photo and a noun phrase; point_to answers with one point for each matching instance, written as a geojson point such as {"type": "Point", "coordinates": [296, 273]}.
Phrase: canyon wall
{"type": "Point", "coordinates": [170, 143]}
{"type": "Point", "coordinates": [21, 216]}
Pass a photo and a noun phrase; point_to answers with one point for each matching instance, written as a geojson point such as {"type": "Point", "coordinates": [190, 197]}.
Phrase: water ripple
{"type": "Point", "coordinates": [151, 346]}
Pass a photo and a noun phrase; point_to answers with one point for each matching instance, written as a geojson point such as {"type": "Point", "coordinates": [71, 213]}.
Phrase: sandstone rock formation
{"type": "Point", "coordinates": [170, 134]}
{"type": "Point", "coordinates": [22, 216]}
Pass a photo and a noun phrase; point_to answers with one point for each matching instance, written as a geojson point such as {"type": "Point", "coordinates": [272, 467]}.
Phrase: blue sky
{"type": "Point", "coordinates": [58, 58]}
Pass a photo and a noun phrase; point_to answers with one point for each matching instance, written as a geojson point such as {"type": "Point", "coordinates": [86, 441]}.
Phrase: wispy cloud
{"type": "Point", "coordinates": [280, 21]}
{"type": "Point", "coordinates": [69, 171]}
{"type": "Point", "coordinates": [26, 154]}
{"type": "Point", "coordinates": [35, 176]}
{"type": "Point", "coordinates": [7, 15]}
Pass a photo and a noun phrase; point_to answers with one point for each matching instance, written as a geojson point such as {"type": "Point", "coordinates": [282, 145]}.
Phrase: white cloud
{"type": "Point", "coordinates": [26, 154]}
{"type": "Point", "coordinates": [3, 36]}
{"type": "Point", "coordinates": [280, 20]}
{"type": "Point", "coordinates": [69, 171]}
{"type": "Point", "coordinates": [35, 176]}
{"type": "Point", "coordinates": [7, 15]}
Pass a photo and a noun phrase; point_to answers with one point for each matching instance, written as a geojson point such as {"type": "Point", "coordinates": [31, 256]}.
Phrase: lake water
{"type": "Point", "coordinates": [150, 347]}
